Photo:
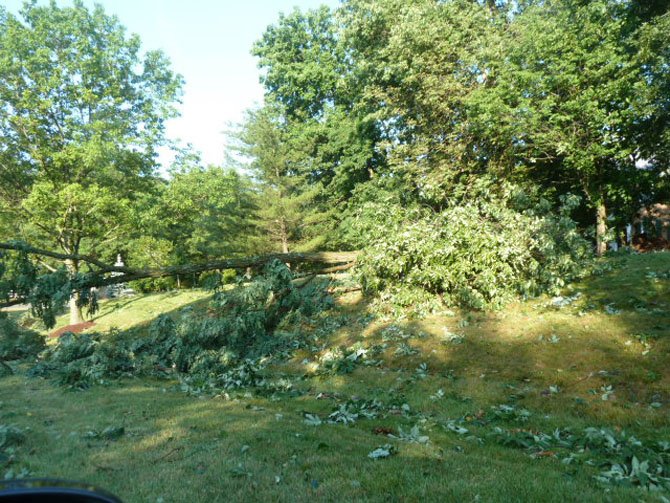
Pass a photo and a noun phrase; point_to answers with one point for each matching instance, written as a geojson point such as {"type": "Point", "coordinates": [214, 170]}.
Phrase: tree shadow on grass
{"type": "Point", "coordinates": [198, 304]}
{"type": "Point", "coordinates": [111, 305]}
{"type": "Point", "coordinates": [635, 288]}
{"type": "Point", "coordinates": [614, 362]}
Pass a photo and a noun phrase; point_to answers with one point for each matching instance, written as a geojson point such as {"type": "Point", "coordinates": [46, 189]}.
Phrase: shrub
{"type": "Point", "coordinates": [209, 279]}
{"type": "Point", "coordinates": [17, 342]}
{"type": "Point", "coordinates": [153, 285]}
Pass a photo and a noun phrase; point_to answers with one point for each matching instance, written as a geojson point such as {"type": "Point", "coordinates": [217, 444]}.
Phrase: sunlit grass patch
{"type": "Point", "coordinates": [131, 311]}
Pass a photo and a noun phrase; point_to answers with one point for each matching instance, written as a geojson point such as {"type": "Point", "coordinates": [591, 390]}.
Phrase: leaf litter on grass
{"type": "Point", "coordinates": [383, 451]}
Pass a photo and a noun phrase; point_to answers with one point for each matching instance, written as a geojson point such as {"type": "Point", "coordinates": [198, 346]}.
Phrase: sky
{"type": "Point", "coordinates": [209, 44]}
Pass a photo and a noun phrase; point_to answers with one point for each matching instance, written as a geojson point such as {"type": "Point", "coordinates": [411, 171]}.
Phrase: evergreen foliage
{"type": "Point", "coordinates": [17, 342]}
{"type": "Point", "coordinates": [243, 324]}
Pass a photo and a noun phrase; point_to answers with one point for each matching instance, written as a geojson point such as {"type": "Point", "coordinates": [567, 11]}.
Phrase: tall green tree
{"type": "Point", "coordinates": [286, 198]}
{"type": "Point", "coordinates": [652, 129]}
{"type": "Point", "coordinates": [418, 62]}
{"type": "Point", "coordinates": [424, 97]}
{"type": "Point", "coordinates": [312, 114]}
{"type": "Point", "coordinates": [571, 102]}
{"type": "Point", "coordinates": [201, 214]}
{"type": "Point", "coordinates": [82, 113]}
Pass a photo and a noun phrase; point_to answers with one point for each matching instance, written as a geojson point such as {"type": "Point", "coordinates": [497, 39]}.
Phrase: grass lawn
{"type": "Point", "coordinates": [131, 311]}
{"type": "Point", "coordinates": [128, 312]}
{"type": "Point", "coordinates": [598, 359]}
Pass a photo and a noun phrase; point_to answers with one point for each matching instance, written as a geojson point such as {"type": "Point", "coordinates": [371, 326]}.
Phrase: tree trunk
{"type": "Point", "coordinates": [284, 240]}
{"type": "Point", "coordinates": [601, 228]}
{"type": "Point", "coordinates": [76, 315]}
{"type": "Point", "coordinates": [338, 261]}
{"type": "Point", "coordinates": [284, 236]}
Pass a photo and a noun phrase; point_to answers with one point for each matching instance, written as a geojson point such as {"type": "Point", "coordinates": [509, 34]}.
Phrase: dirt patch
{"type": "Point", "coordinates": [75, 329]}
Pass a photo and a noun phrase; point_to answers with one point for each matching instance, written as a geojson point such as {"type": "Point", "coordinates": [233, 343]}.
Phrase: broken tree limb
{"type": "Point", "coordinates": [335, 261]}
{"type": "Point", "coordinates": [325, 258]}
{"type": "Point", "coordinates": [345, 289]}
{"type": "Point", "coordinates": [337, 268]}
{"type": "Point", "coordinates": [13, 302]}
{"type": "Point", "coordinates": [31, 250]}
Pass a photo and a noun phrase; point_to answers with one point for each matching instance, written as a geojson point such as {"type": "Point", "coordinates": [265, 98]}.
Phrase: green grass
{"type": "Point", "coordinates": [131, 311]}
{"type": "Point", "coordinates": [128, 312]}
{"type": "Point", "coordinates": [253, 447]}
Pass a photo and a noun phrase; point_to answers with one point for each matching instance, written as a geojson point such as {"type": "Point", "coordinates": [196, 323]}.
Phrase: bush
{"type": "Point", "coordinates": [210, 279]}
{"type": "Point", "coordinates": [153, 285]}
{"type": "Point", "coordinates": [479, 253]}
{"type": "Point", "coordinates": [17, 342]}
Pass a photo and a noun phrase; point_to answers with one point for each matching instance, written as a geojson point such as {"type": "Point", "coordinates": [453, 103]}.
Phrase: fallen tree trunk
{"type": "Point", "coordinates": [31, 250]}
{"type": "Point", "coordinates": [335, 261]}
{"type": "Point", "coordinates": [344, 259]}
{"type": "Point", "coordinates": [13, 302]}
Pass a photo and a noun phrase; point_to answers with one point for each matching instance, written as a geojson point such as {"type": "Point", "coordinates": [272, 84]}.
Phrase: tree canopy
{"type": "Point", "coordinates": [83, 111]}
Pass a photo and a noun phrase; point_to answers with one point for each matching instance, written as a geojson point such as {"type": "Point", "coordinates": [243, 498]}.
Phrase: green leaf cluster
{"type": "Point", "coordinates": [17, 342]}
{"type": "Point", "coordinates": [479, 253]}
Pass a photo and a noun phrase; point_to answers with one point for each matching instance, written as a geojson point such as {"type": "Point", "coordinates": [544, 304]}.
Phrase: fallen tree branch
{"type": "Point", "coordinates": [344, 289]}
{"type": "Point", "coordinates": [13, 302]}
{"type": "Point", "coordinates": [23, 247]}
{"type": "Point", "coordinates": [327, 258]}
{"type": "Point", "coordinates": [337, 261]}
{"type": "Point", "coordinates": [337, 268]}
{"type": "Point", "coordinates": [168, 454]}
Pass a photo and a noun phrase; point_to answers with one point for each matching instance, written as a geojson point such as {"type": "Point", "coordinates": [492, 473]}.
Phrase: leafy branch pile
{"type": "Point", "coordinates": [474, 254]}
{"type": "Point", "coordinates": [223, 349]}
{"type": "Point", "coordinates": [11, 438]}
{"type": "Point", "coordinates": [621, 458]}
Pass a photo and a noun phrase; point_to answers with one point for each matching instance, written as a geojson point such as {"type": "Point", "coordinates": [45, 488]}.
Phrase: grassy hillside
{"type": "Point", "coordinates": [530, 403]}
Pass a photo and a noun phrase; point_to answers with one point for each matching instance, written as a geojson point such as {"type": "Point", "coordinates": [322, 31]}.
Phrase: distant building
{"type": "Point", "coordinates": [651, 228]}
{"type": "Point", "coordinates": [656, 218]}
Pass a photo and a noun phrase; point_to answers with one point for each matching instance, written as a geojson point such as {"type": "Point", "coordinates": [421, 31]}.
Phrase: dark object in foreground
{"type": "Point", "coordinates": [52, 491]}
